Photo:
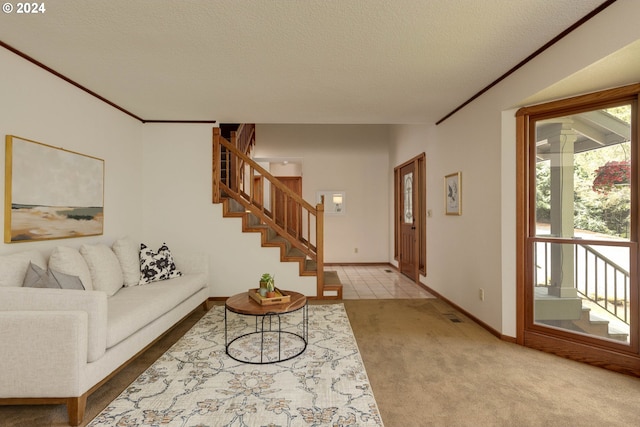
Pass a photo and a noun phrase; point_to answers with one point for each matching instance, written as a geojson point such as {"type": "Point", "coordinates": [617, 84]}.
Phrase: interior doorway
{"type": "Point", "coordinates": [410, 217]}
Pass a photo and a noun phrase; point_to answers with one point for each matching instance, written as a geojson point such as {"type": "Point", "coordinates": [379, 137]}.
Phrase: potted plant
{"type": "Point", "coordinates": [267, 285]}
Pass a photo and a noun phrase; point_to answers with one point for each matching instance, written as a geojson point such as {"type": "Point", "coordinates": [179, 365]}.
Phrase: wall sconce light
{"type": "Point", "coordinates": [334, 201]}
{"type": "Point", "coordinates": [337, 200]}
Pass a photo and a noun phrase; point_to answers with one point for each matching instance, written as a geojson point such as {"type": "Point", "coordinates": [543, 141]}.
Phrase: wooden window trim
{"type": "Point", "coordinates": [620, 361]}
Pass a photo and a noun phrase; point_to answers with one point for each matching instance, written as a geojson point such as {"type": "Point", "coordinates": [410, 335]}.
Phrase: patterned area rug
{"type": "Point", "coordinates": [196, 384]}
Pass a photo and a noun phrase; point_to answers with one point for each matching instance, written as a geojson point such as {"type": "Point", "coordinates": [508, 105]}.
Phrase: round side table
{"type": "Point", "coordinates": [267, 322]}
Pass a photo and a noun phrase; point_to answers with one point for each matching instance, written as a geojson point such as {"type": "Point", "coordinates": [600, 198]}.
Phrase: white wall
{"type": "Point", "coordinates": [157, 177]}
{"type": "Point", "coordinates": [349, 158]}
{"type": "Point", "coordinates": [476, 250]}
{"type": "Point", "coordinates": [38, 106]}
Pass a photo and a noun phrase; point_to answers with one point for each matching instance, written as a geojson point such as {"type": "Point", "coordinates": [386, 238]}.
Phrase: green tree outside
{"type": "Point", "coordinates": [606, 211]}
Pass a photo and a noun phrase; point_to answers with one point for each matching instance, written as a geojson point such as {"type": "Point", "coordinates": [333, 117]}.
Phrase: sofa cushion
{"type": "Point", "coordinates": [37, 277]}
{"type": "Point", "coordinates": [128, 254]}
{"type": "Point", "coordinates": [13, 267]}
{"type": "Point", "coordinates": [104, 267]}
{"type": "Point", "coordinates": [69, 261]}
{"type": "Point", "coordinates": [94, 303]}
{"type": "Point", "coordinates": [132, 308]}
{"type": "Point", "coordinates": [156, 266]}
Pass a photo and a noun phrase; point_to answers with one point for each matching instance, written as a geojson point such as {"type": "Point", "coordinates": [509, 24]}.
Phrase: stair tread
{"type": "Point", "coordinates": [331, 278]}
{"type": "Point", "coordinates": [295, 253]}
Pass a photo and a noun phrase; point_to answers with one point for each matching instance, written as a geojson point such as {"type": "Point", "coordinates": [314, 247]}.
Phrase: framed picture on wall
{"type": "Point", "coordinates": [453, 194]}
{"type": "Point", "coordinates": [50, 192]}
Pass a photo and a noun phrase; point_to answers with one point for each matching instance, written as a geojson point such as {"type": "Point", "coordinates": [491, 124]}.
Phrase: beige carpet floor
{"type": "Point", "coordinates": [426, 370]}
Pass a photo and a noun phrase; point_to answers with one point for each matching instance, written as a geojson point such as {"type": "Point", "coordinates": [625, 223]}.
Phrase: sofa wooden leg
{"type": "Point", "coordinates": [75, 409]}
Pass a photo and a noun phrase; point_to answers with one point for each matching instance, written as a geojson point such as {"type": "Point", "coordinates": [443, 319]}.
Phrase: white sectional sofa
{"type": "Point", "coordinates": [58, 345]}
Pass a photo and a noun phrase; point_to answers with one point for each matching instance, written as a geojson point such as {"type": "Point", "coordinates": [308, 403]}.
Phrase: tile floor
{"type": "Point", "coordinates": [376, 282]}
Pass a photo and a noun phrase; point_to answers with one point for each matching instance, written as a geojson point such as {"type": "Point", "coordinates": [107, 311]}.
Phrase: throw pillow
{"type": "Point", "coordinates": [36, 277]}
{"type": "Point", "coordinates": [156, 266]}
{"type": "Point", "coordinates": [69, 261]}
{"type": "Point", "coordinates": [64, 281]}
{"type": "Point", "coordinates": [128, 254]}
{"type": "Point", "coordinates": [104, 267]}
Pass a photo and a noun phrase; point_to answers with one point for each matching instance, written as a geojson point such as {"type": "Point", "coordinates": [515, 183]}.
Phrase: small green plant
{"type": "Point", "coordinates": [269, 281]}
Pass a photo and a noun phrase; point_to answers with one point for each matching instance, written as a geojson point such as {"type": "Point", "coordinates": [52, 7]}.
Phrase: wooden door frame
{"type": "Point", "coordinates": [421, 212]}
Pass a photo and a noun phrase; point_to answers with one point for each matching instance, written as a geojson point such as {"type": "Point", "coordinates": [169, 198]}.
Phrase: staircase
{"type": "Point", "coordinates": [593, 325]}
{"type": "Point", "coordinates": [589, 323]}
{"type": "Point", "coordinates": [293, 225]}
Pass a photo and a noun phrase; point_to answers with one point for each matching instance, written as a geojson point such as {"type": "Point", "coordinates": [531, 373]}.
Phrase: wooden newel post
{"type": "Point", "coordinates": [320, 248]}
{"type": "Point", "coordinates": [216, 166]}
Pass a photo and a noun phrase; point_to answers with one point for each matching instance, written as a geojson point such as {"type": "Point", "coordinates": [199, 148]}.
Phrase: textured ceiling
{"type": "Point", "coordinates": [289, 61]}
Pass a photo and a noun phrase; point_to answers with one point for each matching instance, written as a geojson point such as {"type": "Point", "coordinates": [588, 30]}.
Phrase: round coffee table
{"type": "Point", "coordinates": [265, 317]}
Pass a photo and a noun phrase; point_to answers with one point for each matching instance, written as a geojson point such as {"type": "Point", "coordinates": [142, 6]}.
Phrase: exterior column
{"type": "Point", "coordinates": [562, 210]}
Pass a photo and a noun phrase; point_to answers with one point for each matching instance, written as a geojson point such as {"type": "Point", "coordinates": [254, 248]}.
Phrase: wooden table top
{"type": "Point", "coordinates": [243, 304]}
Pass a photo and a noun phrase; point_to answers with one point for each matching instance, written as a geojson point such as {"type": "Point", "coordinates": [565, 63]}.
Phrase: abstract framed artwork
{"type": "Point", "coordinates": [453, 194]}
{"type": "Point", "coordinates": [50, 192]}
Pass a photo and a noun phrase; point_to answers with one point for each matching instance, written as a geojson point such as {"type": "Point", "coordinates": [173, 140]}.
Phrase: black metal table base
{"type": "Point", "coordinates": [260, 329]}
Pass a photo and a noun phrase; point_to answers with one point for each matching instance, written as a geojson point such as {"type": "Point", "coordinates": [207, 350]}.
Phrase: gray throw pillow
{"type": "Point", "coordinates": [64, 281]}
{"type": "Point", "coordinates": [36, 277]}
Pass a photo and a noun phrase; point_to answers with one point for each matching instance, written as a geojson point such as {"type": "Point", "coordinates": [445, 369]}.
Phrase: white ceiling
{"type": "Point", "coordinates": [289, 61]}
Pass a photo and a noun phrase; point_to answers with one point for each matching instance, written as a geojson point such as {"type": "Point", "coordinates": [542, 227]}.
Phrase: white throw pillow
{"type": "Point", "coordinates": [14, 267]}
{"type": "Point", "coordinates": [69, 261]}
{"type": "Point", "coordinates": [128, 254]}
{"type": "Point", "coordinates": [104, 267]}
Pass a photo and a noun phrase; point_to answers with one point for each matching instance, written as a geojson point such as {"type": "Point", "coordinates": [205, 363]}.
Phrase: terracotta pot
{"type": "Point", "coordinates": [271, 294]}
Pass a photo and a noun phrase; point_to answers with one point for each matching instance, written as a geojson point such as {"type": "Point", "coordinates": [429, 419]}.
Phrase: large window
{"type": "Point", "coordinates": [578, 224]}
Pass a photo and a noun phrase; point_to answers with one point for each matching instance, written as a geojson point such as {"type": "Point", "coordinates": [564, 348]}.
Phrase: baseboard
{"type": "Point", "coordinates": [491, 330]}
{"type": "Point", "coordinates": [356, 264]}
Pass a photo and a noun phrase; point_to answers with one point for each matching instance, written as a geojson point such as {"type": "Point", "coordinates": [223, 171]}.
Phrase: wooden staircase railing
{"type": "Point", "coordinates": [237, 176]}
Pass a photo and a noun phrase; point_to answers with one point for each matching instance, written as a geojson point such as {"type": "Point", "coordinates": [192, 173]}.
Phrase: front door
{"type": "Point", "coordinates": [408, 242]}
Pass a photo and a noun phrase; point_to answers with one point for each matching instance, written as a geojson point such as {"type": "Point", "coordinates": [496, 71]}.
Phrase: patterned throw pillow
{"type": "Point", "coordinates": [155, 266]}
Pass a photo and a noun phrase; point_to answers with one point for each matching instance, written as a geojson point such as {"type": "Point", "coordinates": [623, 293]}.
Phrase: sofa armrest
{"type": "Point", "coordinates": [39, 345]}
{"type": "Point", "coordinates": [192, 263]}
{"type": "Point", "coordinates": [94, 303]}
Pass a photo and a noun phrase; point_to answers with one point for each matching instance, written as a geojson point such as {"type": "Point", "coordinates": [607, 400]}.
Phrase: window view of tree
{"type": "Point", "coordinates": [601, 186]}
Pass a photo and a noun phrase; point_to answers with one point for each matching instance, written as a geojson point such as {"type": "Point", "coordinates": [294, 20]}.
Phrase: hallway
{"type": "Point", "coordinates": [376, 282]}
